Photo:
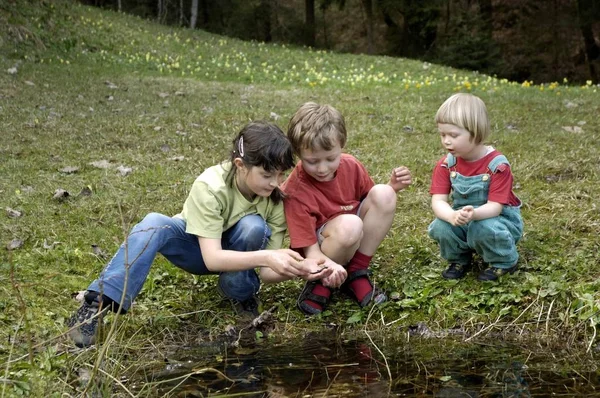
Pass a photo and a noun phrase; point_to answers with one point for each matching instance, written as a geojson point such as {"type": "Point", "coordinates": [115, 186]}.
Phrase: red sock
{"type": "Point", "coordinates": [318, 290]}
{"type": "Point", "coordinates": [361, 286]}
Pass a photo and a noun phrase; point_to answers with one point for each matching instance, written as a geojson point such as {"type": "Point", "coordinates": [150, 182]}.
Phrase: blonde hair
{"type": "Point", "coordinates": [316, 126]}
{"type": "Point", "coordinates": [468, 112]}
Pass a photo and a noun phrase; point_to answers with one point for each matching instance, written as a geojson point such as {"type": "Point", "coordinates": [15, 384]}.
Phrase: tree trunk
{"type": "Point", "coordinates": [325, 38]}
{"type": "Point", "coordinates": [181, 13]}
{"type": "Point", "coordinates": [194, 14]}
{"type": "Point", "coordinates": [592, 50]}
{"type": "Point", "coordinates": [267, 10]}
{"type": "Point", "coordinates": [310, 22]}
{"type": "Point", "coordinates": [205, 13]}
{"type": "Point", "coordinates": [368, 5]}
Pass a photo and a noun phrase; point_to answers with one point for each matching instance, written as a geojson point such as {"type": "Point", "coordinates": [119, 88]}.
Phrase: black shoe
{"type": "Point", "coordinates": [86, 321]}
{"type": "Point", "coordinates": [454, 271]}
{"type": "Point", "coordinates": [249, 308]}
{"type": "Point", "coordinates": [493, 273]}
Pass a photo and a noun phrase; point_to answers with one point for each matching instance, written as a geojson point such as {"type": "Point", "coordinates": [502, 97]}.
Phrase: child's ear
{"type": "Point", "coordinates": [239, 163]}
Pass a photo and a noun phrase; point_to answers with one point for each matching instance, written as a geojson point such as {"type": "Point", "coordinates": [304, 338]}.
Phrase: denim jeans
{"type": "Point", "coordinates": [157, 233]}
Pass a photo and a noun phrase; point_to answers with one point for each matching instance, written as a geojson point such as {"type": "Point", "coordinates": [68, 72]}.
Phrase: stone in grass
{"type": "Point", "coordinates": [14, 244]}
{"type": "Point", "coordinates": [60, 194]}
{"type": "Point", "coordinates": [12, 213]}
{"type": "Point", "coordinates": [124, 170]}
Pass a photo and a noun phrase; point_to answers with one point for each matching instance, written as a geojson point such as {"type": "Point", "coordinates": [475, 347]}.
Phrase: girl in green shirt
{"type": "Point", "coordinates": [231, 223]}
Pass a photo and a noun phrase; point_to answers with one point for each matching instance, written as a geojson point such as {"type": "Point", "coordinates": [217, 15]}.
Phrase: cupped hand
{"type": "Point", "coordinates": [316, 269]}
{"type": "Point", "coordinates": [337, 277]}
{"type": "Point", "coordinates": [463, 216]}
{"type": "Point", "coordinates": [400, 178]}
{"type": "Point", "coordinates": [286, 262]}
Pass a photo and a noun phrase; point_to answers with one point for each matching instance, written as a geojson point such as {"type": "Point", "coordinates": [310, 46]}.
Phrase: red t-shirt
{"type": "Point", "coordinates": [501, 182]}
{"type": "Point", "coordinates": [311, 203]}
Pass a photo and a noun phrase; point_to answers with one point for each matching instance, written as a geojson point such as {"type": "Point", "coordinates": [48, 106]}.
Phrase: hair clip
{"type": "Point", "coordinates": [241, 146]}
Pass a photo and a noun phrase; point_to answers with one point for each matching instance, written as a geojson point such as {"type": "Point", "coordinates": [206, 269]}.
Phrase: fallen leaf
{"type": "Point", "coordinates": [69, 170]}
{"type": "Point", "coordinates": [165, 148]}
{"type": "Point", "coordinates": [86, 191]}
{"type": "Point", "coordinates": [12, 213]}
{"type": "Point", "coordinates": [101, 164]}
{"type": "Point", "coordinates": [12, 71]}
{"type": "Point", "coordinates": [274, 116]}
{"type": "Point", "coordinates": [157, 128]}
{"type": "Point", "coordinates": [407, 129]}
{"type": "Point", "coordinates": [99, 252]}
{"type": "Point", "coordinates": [573, 129]}
{"type": "Point", "coordinates": [14, 244]}
{"type": "Point", "coordinates": [570, 105]}
{"type": "Point", "coordinates": [124, 171]}
{"type": "Point", "coordinates": [163, 95]}
{"type": "Point", "coordinates": [177, 158]}
{"type": "Point", "coordinates": [49, 245]}
{"type": "Point", "coordinates": [179, 93]}
{"type": "Point", "coordinates": [111, 85]}
{"type": "Point", "coordinates": [29, 83]}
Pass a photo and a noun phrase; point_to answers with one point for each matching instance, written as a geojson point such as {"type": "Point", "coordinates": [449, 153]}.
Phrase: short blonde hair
{"type": "Point", "coordinates": [468, 112]}
{"type": "Point", "coordinates": [315, 126]}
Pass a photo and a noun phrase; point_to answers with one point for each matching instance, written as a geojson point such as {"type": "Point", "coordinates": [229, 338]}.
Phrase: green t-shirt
{"type": "Point", "coordinates": [213, 206]}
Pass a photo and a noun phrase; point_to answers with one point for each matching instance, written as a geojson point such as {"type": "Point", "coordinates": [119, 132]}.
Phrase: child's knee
{"type": "Point", "coordinates": [438, 229]}
{"type": "Point", "coordinates": [383, 197]}
{"type": "Point", "coordinates": [347, 231]}
{"type": "Point", "coordinates": [254, 231]}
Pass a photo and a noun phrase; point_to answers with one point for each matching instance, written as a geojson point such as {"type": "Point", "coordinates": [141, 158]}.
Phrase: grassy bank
{"type": "Point", "coordinates": [79, 86]}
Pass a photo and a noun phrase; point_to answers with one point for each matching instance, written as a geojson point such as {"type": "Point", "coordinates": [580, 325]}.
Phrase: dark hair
{"type": "Point", "coordinates": [262, 144]}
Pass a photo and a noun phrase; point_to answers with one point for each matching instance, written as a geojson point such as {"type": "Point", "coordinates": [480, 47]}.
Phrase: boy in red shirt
{"type": "Point", "coordinates": [334, 211]}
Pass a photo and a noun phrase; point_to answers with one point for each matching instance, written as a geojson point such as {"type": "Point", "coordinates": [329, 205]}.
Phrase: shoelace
{"type": "Point", "coordinates": [84, 314]}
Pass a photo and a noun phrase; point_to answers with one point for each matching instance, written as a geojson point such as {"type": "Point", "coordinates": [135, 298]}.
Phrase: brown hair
{"type": "Point", "coordinates": [316, 126]}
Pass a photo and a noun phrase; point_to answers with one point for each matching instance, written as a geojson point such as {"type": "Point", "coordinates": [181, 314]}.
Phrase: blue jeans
{"type": "Point", "coordinates": [157, 233]}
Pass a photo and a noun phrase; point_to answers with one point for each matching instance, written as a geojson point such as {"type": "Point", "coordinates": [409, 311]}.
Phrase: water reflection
{"type": "Point", "coordinates": [327, 366]}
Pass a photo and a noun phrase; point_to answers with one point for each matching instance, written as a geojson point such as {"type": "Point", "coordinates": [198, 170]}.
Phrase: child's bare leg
{"type": "Point", "coordinates": [377, 213]}
{"type": "Point", "coordinates": [342, 237]}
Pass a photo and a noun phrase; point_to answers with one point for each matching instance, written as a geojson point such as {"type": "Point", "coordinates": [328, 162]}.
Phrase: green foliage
{"type": "Point", "coordinates": [468, 44]}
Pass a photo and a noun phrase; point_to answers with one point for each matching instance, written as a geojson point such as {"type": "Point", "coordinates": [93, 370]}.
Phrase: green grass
{"type": "Point", "coordinates": [93, 85]}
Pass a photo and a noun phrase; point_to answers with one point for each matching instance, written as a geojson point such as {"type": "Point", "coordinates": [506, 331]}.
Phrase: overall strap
{"type": "Point", "coordinates": [497, 161]}
{"type": "Point", "coordinates": [450, 160]}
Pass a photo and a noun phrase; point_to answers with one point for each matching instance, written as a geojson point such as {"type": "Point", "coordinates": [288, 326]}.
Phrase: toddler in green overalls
{"type": "Point", "coordinates": [484, 214]}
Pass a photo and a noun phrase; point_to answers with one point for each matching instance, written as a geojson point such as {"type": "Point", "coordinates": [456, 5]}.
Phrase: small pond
{"type": "Point", "coordinates": [330, 366]}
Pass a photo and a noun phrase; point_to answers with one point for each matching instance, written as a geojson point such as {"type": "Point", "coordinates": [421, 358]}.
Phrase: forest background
{"type": "Point", "coordinates": [521, 40]}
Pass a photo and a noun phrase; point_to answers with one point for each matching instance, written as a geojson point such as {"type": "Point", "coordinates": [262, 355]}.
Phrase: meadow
{"type": "Point", "coordinates": [106, 117]}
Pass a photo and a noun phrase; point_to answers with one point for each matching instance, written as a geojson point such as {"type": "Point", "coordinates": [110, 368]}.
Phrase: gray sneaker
{"type": "Point", "coordinates": [249, 308]}
{"type": "Point", "coordinates": [84, 323]}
